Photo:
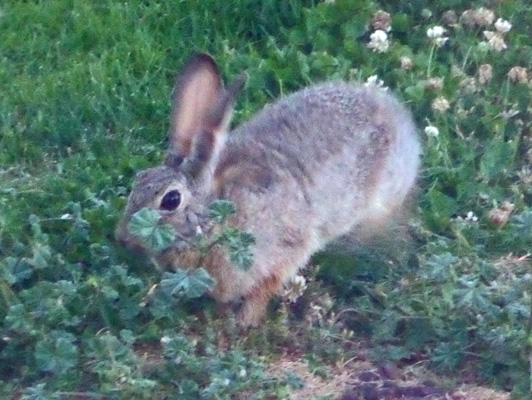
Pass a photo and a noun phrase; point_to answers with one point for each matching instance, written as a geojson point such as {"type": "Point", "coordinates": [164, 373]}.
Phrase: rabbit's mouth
{"type": "Point", "coordinates": [130, 242]}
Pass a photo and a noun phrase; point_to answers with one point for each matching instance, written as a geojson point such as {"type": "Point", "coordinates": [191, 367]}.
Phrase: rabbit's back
{"type": "Point", "coordinates": [334, 150]}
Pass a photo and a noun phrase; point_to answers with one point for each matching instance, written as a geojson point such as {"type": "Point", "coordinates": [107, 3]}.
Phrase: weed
{"type": "Point", "coordinates": [85, 94]}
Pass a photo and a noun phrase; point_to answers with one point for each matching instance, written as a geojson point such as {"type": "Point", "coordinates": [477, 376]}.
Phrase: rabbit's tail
{"type": "Point", "coordinates": [386, 227]}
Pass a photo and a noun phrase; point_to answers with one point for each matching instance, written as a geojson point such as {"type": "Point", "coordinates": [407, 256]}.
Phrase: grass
{"type": "Point", "coordinates": [84, 104]}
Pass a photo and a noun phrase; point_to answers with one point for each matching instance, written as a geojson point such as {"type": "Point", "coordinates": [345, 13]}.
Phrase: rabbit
{"type": "Point", "coordinates": [323, 162]}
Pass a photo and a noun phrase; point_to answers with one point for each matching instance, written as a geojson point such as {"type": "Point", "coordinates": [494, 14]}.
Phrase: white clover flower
{"type": "Point", "coordinates": [485, 73]}
{"type": "Point", "coordinates": [316, 314]}
{"type": "Point", "coordinates": [406, 62]}
{"type": "Point", "coordinates": [439, 42]}
{"type": "Point", "coordinates": [450, 17]}
{"type": "Point", "coordinates": [435, 34]}
{"type": "Point", "coordinates": [499, 216]}
{"type": "Point", "coordinates": [468, 18]}
{"type": "Point", "coordinates": [434, 83]}
{"type": "Point", "coordinates": [440, 104]}
{"type": "Point", "coordinates": [379, 41]}
{"type": "Point", "coordinates": [469, 84]}
{"type": "Point", "coordinates": [374, 81]}
{"type": "Point", "coordinates": [525, 176]}
{"type": "Point", "coordinates": [431, 131]}
{"type": "Point", "coordinates": [382, 20]}
{"type": "Point", "coordinates": [495, 40]}
{"type": "Point", "coordinates": [471, 217]}
{"type": "Point", "coordinates": [502, 25]}
{"type": "Point", "coordinates": [295, 288]}
{"type": "Point", "coordinates": [518, 74]}
{"type": "Point", "coordinates": [484, 16]}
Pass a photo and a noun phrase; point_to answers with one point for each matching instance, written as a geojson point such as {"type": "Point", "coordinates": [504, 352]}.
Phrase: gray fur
{"type": "Point", "coordinates": [324, 162]}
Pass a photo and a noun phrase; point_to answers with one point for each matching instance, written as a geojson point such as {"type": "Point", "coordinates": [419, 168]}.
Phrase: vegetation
{"type": "Point", "coordinates": [85, 98]}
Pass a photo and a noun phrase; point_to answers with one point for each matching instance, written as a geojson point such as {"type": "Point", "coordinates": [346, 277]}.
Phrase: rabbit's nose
{"type": "Point", "coordinates": [193, 221]}
{"type": "Point", "coordinates": [192, 218]}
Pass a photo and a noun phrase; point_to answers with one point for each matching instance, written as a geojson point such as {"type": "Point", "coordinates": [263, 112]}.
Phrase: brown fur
{"type": "Point", "coordinates": [255, 303]}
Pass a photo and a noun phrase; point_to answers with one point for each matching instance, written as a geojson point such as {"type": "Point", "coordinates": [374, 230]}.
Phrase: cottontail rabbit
{"type": "Point", "coordinates": [315, 165]}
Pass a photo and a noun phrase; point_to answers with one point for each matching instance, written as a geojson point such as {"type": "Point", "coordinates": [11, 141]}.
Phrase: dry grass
{"type": "Point", "coordinates": [344, 378]}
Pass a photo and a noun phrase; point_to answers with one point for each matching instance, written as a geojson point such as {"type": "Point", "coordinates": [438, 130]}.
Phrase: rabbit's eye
{"type": "Point", "coordinates": [171, 200]}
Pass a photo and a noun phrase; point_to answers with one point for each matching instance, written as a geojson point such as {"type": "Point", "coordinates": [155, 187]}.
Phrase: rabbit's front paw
{"type": "Point", "coordinates": [255, 303]}
{"type": "Point", "coordinates": [252, 313]}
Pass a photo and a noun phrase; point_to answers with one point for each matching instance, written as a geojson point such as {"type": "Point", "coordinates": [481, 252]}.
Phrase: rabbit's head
{"type": "Point", "coordinates": [182, 187]}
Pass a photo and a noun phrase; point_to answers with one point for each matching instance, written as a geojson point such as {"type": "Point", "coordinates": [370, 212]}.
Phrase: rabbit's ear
{"type": "Point", "coordinates": [208, 143]}
{"type": "Point", "coordinates": [196, 94]}
{"type": "Point", "coordinates": [202, 114]}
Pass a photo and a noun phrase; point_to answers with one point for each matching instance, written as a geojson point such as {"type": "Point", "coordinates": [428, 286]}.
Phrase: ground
{"type": "Point", "coordinates": [360, 379]}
